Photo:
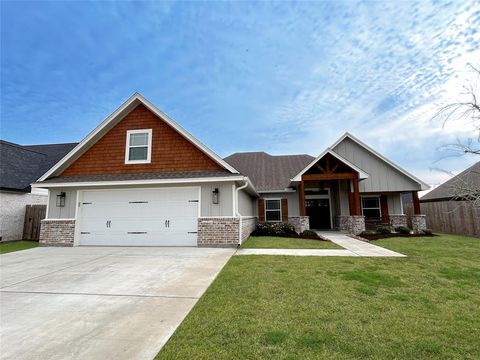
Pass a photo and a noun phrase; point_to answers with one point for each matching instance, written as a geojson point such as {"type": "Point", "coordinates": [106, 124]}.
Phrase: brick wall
{"type": "Point", "coordinates": [57, 232]}
{"type": "Point", "coordinates": [170, 151]}
{"type": "Point", "coordinates": [12, 214]}
{"type": "Point", "coordinates": [248, 225]}
{"type": "Point", "coordinates": [218, 231]}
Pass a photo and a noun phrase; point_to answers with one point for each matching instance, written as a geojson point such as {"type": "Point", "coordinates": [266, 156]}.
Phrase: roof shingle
{"type": "Point", "coordinates": [469, 177]}
{"type": "Point", "coordinates": [269, 172]}
{"type": "Point", "coordinates": [22, 165]}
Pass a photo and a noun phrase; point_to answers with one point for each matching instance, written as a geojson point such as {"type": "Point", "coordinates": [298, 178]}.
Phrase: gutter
{"type": "Point", "coordinates": [236, 210]}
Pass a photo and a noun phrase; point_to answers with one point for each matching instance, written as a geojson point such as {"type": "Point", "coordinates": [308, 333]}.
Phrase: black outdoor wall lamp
{"type": "Point", "coordinates": [215, 196]}
{"type": "Point", "coordinates": [61, 199]}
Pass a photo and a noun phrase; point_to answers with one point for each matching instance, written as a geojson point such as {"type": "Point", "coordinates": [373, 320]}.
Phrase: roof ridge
{"type": "Point", "coordinates": [21, 147]}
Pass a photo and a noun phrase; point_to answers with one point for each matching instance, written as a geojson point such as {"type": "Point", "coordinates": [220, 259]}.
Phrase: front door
{"type": "Point", "coordinates": [318, 210]}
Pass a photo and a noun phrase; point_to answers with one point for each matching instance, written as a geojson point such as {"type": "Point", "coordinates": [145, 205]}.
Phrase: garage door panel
{"type": "Point", "coordinates": [137, 217]}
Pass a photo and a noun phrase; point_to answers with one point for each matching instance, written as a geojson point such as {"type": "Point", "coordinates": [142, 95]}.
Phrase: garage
{"type": "Point", "coordinates": [139, 217]}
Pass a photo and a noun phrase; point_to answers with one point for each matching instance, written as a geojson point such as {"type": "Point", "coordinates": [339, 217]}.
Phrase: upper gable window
{"type": "Point", "coordinates": [138, 149]}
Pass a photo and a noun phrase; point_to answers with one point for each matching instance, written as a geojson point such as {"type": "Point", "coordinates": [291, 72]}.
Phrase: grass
{"type": "Point", "coordinates": [271, 242]}
{"type": "Point", "coordinates": [17, 245]}
{"type": "Point", "coordinates": [424, 306]}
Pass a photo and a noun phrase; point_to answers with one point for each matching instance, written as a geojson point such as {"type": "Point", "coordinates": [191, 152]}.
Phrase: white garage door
{"type": "Point", "coordinates": [152, 217]}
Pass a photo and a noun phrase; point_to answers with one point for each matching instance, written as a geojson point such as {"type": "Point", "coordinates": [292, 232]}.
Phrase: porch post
{"type": "Point", "coordinates": [301, 197]}
{"type": "Point", "coordinates": [356, 197]}
{"type": "Point", "coordinates": [416, 203]}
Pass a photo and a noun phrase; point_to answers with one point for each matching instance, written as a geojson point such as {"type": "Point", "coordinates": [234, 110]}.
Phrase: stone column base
{"type": "Point", "coordinates": [419, 222]}
{"type": "Point", "coordinates": [57, 232]}
{"type": "Point", "coordinates": [301, 223]}
{"type": "Point", "coordinates": [397, 220]}
{"type": "Point", "coordinates": [353, 224]}
{"type": "Point", "coordinates": [218, 231]}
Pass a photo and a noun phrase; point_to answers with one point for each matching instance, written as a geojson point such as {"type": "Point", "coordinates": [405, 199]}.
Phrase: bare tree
{"type": "Point", "coordinates": [467, 187]}
{"type": "Point", "coordinates": [465, 110]}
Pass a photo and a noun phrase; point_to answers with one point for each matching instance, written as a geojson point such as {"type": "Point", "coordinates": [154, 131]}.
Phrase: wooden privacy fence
{"type": "Point", "coordinates": [454, 217]}
{"type": "Point", "coordinates": [34, 214]}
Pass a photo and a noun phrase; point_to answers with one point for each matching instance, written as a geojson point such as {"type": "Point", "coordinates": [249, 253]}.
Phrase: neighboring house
{"type": "Point", "coordinates": [140, 179]}
{"type": "Point", "coordinates": [447, 208]}
{"type": "Point", "coordinates": [19, 167]}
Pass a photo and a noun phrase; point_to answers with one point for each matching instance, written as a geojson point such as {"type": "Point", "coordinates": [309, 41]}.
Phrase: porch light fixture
{"type": "Point", "coordinates": [215, 196]}
{"type": "Point", "coordinates": [61, 199]}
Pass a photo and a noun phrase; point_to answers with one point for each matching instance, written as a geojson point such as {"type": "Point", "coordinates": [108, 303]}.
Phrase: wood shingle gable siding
{"type": "Point", "coordinates": [171, 152]}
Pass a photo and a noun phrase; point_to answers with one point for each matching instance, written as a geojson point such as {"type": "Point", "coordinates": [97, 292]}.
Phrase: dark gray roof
{"type": "Point", "coordinates": [22, 165]}
{"type": "Point", "coordinates": [139, 176]}
{"type": "Point", "coordinates": [269, 172]}
{"type": "Point", "coordinates": [469, 177]}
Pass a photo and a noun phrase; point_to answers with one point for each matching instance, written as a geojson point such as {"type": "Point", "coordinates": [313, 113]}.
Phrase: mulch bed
{"type": "Point", "coordinates": [386, 236]}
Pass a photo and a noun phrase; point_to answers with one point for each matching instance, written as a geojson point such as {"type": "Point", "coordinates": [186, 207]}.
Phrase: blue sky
{"type": "Point", "coordinates": [281, 77]}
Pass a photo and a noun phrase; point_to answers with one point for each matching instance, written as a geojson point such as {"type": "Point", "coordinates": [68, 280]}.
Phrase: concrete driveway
{"type": "Point", "coordinates": [97, 302]}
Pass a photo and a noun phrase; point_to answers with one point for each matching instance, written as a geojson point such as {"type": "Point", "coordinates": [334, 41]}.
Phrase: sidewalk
{"type": "Point", "coordinates": [352, 247]}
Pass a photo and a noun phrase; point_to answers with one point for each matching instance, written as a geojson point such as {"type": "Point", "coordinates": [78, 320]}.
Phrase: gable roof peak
{"type": "Point", "coordinates": [117, 116]}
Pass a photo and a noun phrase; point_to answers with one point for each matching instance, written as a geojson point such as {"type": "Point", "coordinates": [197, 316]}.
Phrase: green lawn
{"type": "Point", "coordinates": [16, 246]}
{"type": "Point", "coordinates": [271, 242]}
{"type": "Point", "coordinates": [425, 306]}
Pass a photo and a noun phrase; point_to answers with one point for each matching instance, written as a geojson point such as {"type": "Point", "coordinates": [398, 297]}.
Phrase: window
{"type": "Point", "coordinates": [138, 149]}
{"type": "Point", "coordinates": [273, 211]}
{"type": "Point", "coordinates": [371, 208]}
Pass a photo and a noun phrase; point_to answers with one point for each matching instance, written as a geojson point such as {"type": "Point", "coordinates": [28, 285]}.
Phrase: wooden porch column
{"type": "Point", "coordinates": [301, 196]}
{"type": "Point", "coordinates": [416, 203]}
{"type": "Point", "coordinates": [356, 198]}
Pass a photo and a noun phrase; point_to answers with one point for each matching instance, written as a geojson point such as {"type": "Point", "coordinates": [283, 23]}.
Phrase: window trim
{"type": "Point", "coordinates": [149, 146]}
{"type": "Point", "coordinates": [279, 210]}
{"type": "Point", "coordinates": [370, 208]}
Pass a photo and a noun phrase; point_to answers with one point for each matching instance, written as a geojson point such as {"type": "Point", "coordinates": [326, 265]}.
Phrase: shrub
{"type": "Point", "coordinates": [310, 234]}
{"type": "Point", "coordinates": [383, 230]}
{"type": "Point", "coordinates": [427, 231]}
{"type": "Point", "coordinates": [403, 229]}
{"type": "Point", "coordinates": [274, 229]}
{"type": "Point", "coordinates": [367, 233]}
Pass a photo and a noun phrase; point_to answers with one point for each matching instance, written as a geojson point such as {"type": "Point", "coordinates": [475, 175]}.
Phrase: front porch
{"type": "Point", "coordinates": [330, 198]}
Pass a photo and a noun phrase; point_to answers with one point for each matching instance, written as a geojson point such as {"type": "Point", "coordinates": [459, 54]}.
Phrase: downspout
{"type": "Point", "coordinates": [236, 211]}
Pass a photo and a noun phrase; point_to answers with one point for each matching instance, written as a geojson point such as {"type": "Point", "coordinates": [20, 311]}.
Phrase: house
{"type": "Point", "coordinates": [450, 207]}
{"type": "Point", "coordinates": [140, 179]}
{"type": "Point", "coordinates": [19, 167]}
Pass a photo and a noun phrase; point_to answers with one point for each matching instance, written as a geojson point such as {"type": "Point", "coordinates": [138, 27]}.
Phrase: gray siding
{"type": "Point", "coordinates": [292, 200]}
{"type": "Point", "coordinates": [343, 187]}
{"type": "Point", "coordinates": [225, 205]}
{"type": "Point", "coordinates": [246, 204]}
{"type": "Point", "coordinates": [382, 176]}
{"type": "Point", "coordinates": [66, 212]}
{"type": "Point", "coordinates": [224, 208]}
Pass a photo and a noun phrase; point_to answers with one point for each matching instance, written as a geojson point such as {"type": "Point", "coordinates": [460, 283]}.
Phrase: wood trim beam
{"type": "Point", "coordinates": [334, 176]}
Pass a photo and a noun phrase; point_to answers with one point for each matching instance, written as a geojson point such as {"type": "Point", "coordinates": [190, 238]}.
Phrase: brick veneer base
{"type": "Point", "coordinates": [57, 232]}
{"type": "Point", "coordinates": [397, 220]}
{"type": "Point", "coordinates": [301, 223]}
{"type": "Point", "coordinates": [248, 225]}
{"type": "Point", "coordinates": [218, 231]}
{"type": "Point", "coordinates": [352, 224]}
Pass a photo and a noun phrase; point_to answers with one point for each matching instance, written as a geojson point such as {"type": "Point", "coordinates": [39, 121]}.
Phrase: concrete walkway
{"type": "Point", "coordinates": [358, 247]}
{"type": "Point", "coordinates": [352, 247]}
